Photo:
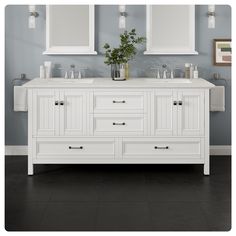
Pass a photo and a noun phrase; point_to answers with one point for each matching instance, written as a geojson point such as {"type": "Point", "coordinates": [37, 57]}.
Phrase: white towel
{"type": "Point", "coordinates": [20, 98]}
{"type": "Point", "coordinates": [217, 98]}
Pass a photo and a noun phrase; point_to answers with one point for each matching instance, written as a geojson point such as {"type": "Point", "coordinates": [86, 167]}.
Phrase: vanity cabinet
{"type": "Point", "coordinates": [59, 112]}
{"type": "Point", "coordinates": [139, 123]}
{"type": "Point", "coordinates": [178, 112]}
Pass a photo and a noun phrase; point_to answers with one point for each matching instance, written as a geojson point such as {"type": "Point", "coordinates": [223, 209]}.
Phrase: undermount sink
{"type": "Point", "coordinates": [67, 81]}
{"type": "Point", "coordinates": [182, 81]}
{"type": "Point", "coordinates": [80, 81]}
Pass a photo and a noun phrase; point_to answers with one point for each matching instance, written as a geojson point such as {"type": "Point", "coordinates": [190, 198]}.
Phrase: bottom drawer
{"type": "Point", "coordinates": [77, 148]}
{"type": "Point", "coordinates": [162, 147]}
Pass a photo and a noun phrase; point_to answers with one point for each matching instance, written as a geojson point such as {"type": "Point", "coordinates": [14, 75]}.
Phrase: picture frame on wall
{"type": "Point", "coordinates": [222, 52]}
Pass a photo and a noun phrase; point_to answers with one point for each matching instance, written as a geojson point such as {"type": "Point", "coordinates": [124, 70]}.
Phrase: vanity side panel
{"type": "Point", "coordinates": [207, 136]}
{"type": "Point", "coordinates": [30, 132]}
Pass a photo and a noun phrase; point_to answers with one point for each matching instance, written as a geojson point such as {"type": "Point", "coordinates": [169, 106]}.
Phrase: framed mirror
{"type": "Point", "coordinates": [170, 29]}
{"type": "Point", "coordinates": [70, 29]}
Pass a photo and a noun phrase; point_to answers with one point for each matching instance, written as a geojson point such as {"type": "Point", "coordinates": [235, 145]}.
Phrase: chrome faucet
{"type": "Point", "coordinates": [72, 71]}
{"type": "Point", "coordinates": [164, 76]}
{"type": "Point", "coordinates": [167, 74]}
{"type": "Point", "coordinates": [162, 72]}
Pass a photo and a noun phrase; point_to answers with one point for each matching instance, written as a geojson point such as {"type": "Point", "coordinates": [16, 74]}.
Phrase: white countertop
{"type": "Point", "coordinates": [109, 83]}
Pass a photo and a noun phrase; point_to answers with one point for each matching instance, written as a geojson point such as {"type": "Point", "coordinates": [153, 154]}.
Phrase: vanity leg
{"type": "Point", "coordinates": [30, 167]}
{"type": "Point", "coordinates": [207, 167]}
{"type": "Point", "coordinates": [207, 129]}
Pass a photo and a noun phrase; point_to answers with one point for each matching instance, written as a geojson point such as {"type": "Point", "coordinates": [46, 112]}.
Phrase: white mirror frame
{"type": "Point", "coordinates": [71, 50]}
{"type": "Point", "coordinates": [167, 51]}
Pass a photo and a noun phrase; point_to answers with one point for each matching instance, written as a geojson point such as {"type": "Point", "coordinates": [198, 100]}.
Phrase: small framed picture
{"type": "Point", "coordinates": [222, 52]}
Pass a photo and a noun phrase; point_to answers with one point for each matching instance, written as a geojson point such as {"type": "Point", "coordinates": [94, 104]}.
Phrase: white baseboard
{"type": "Point", "coordinates": [215, 150]}
{"type": "Point", "coordinates": [16, 150]}
{"type": "Point", "coordinates": [220, 150]}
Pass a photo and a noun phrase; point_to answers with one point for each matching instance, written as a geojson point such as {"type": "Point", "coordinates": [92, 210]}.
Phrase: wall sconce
{"type": "Point", "coordinates": [122, 18]}
{"type": "Point", "coordinates": [32, 15]}
{"type": "Point", "coordinates": [211, 16]}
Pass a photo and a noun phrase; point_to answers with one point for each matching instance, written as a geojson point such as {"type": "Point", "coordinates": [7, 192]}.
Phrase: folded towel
{"type": "Point", "coordinates": [217, 98]}
{"type": "Point", "coordinates": [20, 98]}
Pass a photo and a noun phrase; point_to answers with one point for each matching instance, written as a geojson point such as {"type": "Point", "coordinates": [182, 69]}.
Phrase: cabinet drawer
{"type": "Point", "coordinates": [79, 147]}
{"type": "Point", "coordinates": [159, 147]}
{"type": "Point", "coordinates": [119, 102]}
{"type": "Point", "coordinates": [119, 124]}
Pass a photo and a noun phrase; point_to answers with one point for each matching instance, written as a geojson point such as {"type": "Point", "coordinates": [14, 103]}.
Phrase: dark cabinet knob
{"type": "Point", "coordinates": [56, 103]}
{"type": "Point", "coordinates": [180, 103]}
{"type": "Point", "coordinates": [61, 103]}
{"type": "Point", "coordinates": [175, 103]}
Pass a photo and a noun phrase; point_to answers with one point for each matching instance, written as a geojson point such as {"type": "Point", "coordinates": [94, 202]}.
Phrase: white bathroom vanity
{"type": "Point", "coordinates": [138, 121]}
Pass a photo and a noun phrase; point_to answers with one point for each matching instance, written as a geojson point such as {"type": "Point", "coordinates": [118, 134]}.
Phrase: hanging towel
{"type": "Point", "coordinates": [217, 98]}
{"type": "Point", "coordinates": [20, 98]}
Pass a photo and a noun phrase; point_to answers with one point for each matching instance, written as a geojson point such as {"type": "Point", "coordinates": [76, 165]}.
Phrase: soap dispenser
{"type": "Point", "coordinates": [195, 72]}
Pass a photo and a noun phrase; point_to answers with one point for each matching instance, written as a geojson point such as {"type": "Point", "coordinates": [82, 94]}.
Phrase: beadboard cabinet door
{"type": "Point", "coordinates": [72, 112]}
{"type": "Point", "coordinates": [45, 112]}
{"type": "Point", "coordinates": [59, 112]}
{"type": "Point", "coordinates": [191, 113]}
{"type": "Point", "coordinates": [178, 112]}
{"type": "Point", "coordinates": [164, 117]}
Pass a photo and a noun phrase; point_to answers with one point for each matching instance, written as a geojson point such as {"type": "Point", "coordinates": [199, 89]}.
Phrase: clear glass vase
{"type": "Point", "coordinates": [115, 71]}
{"type": "Point", "coordinates": [118, 71]}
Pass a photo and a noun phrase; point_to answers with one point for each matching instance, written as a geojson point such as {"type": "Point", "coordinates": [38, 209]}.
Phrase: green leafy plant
{"type": "Point", "coordinates": [126, 50]}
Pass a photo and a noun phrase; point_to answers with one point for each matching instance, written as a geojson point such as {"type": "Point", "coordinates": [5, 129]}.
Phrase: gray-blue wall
{"type": "Point", "coordinates": [24, 49]}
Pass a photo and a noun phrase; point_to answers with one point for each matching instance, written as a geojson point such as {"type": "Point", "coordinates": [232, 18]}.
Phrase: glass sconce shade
{"type": "Point", "coordinates": [211, 16]}
{"type": "Point", "coordinates": [211, 22]}
{"type": "Point", "coordinates": [122, 23]}
{"type": "Point", "coordinates": [32, 22]}
{"type": "Point", "coordinates": [32, 15]}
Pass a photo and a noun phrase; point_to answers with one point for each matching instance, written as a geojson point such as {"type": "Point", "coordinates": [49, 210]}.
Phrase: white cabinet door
{"type": "Point", "coordinates": [164, 113]}
{"type": "Point", "coordinates": [45, 112]}
{"type": "Point", "coordinates": [72, 112]}
{"type": "Point", "coordinates": [190, 112]}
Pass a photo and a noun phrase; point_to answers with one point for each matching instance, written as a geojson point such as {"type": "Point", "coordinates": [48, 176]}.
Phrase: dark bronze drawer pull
{"type": "Point", "coordinates": [180, 103]}
{"type": "Point", "coordinates": [166, 147]}
{"type": "Point", "coordinates": [118, 101]}
{"type": "Point", "coordinates": [175, 103]}
{"type": "Point", "coordinates": [114, 123]}
{"type": "Point", "coordinates": [81, 147]}
{"type": "Point", "coordinates": [56, 103]}
{"type": "Point", "coordinates": [61, 103]}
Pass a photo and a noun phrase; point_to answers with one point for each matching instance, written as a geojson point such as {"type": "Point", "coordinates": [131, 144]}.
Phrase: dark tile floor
{"type": "Point", "coordinates": [118, 197]}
